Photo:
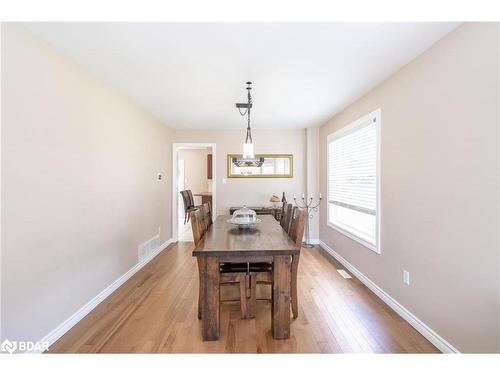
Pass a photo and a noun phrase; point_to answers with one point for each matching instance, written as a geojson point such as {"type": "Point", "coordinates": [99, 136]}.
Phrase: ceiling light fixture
{"type": "Point", "coordinates": [248, 159]}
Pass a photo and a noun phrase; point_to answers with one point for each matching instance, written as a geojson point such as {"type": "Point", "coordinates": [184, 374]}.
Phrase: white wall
{"type": "Point", "coordinates": [313, 186]}
{"type": "Point", "coordinates": [1, 200]}
{"type": "Point", "coordinates": [79, 189]}
{"type": "Point", "coordinates": [498, 174]}
{"type": "Point", "coordinates": [79, 163]}
{"type": "Point", "coordinates": [439, 207]}
{"type": "Point", "coordinates": [195, 169]}
{"type": "Point", "coordinates": [252, 191]}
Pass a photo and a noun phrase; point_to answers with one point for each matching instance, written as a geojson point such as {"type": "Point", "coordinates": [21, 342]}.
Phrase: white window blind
{"type": "Point", "coordinates": [353, 179]}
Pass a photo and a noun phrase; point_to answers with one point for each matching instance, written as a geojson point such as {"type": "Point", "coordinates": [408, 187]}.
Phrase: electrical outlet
{"type": "Point", "coordinates": [344, 274]}
{"type": "Point", "coordinates": [159, 177]}
{"type": "Point", "coordinates": [406, 277]}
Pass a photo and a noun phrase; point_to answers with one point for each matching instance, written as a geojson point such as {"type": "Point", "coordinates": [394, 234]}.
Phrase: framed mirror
{"type": "Point", "coordinates": [275, 166]}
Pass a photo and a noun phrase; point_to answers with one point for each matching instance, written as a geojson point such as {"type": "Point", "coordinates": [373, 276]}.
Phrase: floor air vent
{"type": "Point", "coordinates": [146, 249]}
{"type": "Point", "coordinates": [344, 274]}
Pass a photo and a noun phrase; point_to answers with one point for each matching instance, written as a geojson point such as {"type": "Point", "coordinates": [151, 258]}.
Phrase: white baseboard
{"type": "Point", "coordinates": [439, 342]}
{"type": "Point", "coordinates": [65, 326]}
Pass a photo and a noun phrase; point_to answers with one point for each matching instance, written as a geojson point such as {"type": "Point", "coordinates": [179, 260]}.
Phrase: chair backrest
{"type": "Point", "coordinates": [198, 225]}
{"type": "Point", "coordinates": [185, 199]}
{"type": "Point", "coordinates": [286, 217]}
{"type": "Point", "coordinates": [282, 217]}
{"type": "Point", "coordinates": [191, 198]}
{"type": "Point", "coordinates": [297, 225]}
{"type": "Point", "coordinates": [205, 210]}
{"type": "Point", "coordinates": [208, 214]}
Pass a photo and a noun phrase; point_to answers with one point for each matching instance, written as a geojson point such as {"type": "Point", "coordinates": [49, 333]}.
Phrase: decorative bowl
{"type": "Point", "coordinates": [244, 225]}
{"type": "Point", "coordinates": [244, 218]}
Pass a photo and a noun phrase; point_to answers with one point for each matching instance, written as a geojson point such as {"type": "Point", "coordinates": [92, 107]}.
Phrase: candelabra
{"type": "Point", "coordinates": [311, 208]}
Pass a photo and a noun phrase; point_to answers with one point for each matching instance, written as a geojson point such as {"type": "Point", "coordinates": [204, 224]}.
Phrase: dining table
{"type": "Point", "coordinates": [224, 242]}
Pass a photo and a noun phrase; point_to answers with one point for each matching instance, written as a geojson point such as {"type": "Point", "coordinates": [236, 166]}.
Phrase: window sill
{"type": "Point", "coordinates": [352, 236]}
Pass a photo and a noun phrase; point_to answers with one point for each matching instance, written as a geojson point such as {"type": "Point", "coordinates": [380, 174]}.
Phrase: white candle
{"type": "Point", "coordinates": [311, 195]}
{"type": "Point", "coordinates": [319, 195]}
{"type": "Point", "coordinates": [303, 195]}
{"type": "Point", "coordinates": [294, 196]}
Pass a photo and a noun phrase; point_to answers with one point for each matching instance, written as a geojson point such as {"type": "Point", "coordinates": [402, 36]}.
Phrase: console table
{"type": "Point", "coordinates": [270, 210]}
{"type": "Point", "coordinates": [205, 197]}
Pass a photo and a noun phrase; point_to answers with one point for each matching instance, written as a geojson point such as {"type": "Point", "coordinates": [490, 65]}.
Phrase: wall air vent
{"type": "Point", "coordinates": [147, 248]}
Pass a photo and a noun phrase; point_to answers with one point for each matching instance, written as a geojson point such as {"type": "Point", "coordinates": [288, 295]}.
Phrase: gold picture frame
{"type": "Point", "coordinates": [252, 171]}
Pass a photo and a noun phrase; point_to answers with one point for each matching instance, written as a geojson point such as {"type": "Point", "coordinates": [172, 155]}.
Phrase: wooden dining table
{"type": "Point", "coordinates": [226, 243]}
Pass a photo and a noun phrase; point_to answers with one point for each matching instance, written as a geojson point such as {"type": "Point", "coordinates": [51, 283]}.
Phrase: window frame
{"type": "Point", "coordinates": [350, 128]}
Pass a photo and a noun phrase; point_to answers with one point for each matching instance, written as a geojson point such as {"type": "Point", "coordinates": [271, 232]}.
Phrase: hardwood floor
{"type": "Point", "coordinates": [156, 312]}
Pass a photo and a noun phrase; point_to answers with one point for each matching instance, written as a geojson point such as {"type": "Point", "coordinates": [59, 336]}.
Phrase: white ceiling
{"type": "Point", "coordinates": [190, 75]}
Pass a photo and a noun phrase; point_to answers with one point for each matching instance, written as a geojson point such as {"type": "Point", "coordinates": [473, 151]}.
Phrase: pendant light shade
{"type": "Point", "coordinates": [248, 159]}
{"type": "Point", "coordinates": [248, 151]}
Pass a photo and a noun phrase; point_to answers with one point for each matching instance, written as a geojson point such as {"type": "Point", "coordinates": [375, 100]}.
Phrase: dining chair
{"type": "Point", "coordinates": [296, 233]}
{"type": "Point", "coordinates": [188, 204]}
{"type": "Point", "coordinates": [198, 225]}
{"type": "Point", "coordinates": [201, 220]}
{"type": "Point", "coordinates": [203, 217]}
{"type": "Point", "coordinates": [207, 214]}
{"type": "Point", "coordinates": [282, 212]}
{"type": "Point", "coordinates": [191, 197]}
{"type": "Point", "coordinates": [198, 228]}
{"type": "Point", "coordinates": [261, 273]}
{"type": "Point", "coordinates": [286, 216]}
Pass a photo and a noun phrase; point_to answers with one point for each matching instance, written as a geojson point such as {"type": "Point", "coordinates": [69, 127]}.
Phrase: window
{"type": "Point", "coordinates": [353, 188]}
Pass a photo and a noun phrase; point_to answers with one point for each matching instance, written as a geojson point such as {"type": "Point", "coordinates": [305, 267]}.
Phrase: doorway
{"type": "Point", "coordinates": [194, 169]}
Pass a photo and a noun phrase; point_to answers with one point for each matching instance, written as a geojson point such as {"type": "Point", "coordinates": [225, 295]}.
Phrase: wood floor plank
{"type": "Point", "coordinates": [156, 312]}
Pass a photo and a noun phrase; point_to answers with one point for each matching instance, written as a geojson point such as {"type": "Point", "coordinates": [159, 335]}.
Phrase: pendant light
{"type": "Point", "coordinates": [248, 159]}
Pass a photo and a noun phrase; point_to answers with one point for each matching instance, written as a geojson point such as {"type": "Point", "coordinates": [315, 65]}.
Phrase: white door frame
{"type": "Point", "coordinates": [175, 193]}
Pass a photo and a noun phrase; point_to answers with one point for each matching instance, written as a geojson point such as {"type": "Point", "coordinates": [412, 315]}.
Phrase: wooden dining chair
{"type": "Point", "coordinates": [282, 212]}
{"type": "Point", "coordinates": [208, 214]}
{"type": "Point", "coordinates": [201, 220]}
{"type": "Point", "coordinates": [191, 198]}
{"type": "Point", "coordinates": [198, 225]}
{"type": "Point", "coordinates": [203, 217]}
{"type": "Point", "coordinates": [188, 205]}
{"type": "Point", "coordinates": [296, 232]}
{"type": "Point", "coordinates": [261, 273]}
{"type": "Point", "coordinates": [286, 217]}
{"type": "Point", "coordinates": [199, 229]}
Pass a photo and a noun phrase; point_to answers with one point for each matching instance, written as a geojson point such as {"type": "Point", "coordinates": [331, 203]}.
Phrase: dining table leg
{"type": "Point", "coordinates": [281, 297]}
{"type": "Point", "coordinates": [209, 268]}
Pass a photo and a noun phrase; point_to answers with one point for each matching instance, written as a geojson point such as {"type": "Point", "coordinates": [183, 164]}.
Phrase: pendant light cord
{"type": "Point", "coordinates": [249, 131]}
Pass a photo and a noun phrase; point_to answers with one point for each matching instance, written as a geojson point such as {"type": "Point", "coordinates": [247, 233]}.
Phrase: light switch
{"type": "Point", "coordinates": [406, 277]}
